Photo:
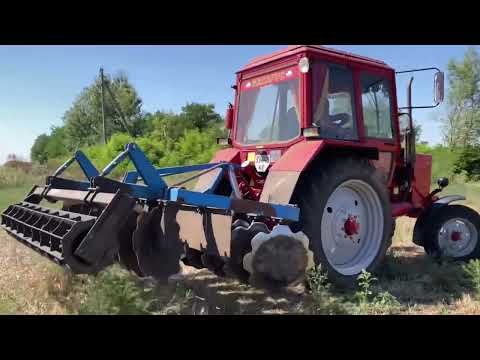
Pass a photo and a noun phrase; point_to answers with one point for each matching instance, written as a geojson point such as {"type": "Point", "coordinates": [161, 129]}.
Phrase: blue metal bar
{"type": "Point", "coordinates": [130, 177]}
{"type": "Point", "coordinates": [171, 171]}
{"type": "Point", "coordinates": [193, 198]}
{"type": "Point", "coordinates": [199, 199]}
{"type": "Point", "coordinates": [145, 168]}
{"type": "Point", "coordinates": [144, 192]}
{"type": "Point", "coordinates": [114, 163]}
{"type": "Point", "coordinates": [87, 167]}
{"type": "Point", "coordinates": [63, 167]}
{"type": "Point", "coordinates": [215, 183]}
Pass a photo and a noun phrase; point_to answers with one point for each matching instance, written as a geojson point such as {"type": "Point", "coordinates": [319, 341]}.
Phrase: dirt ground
{"type": "Point", "coordinates": [27, 281]}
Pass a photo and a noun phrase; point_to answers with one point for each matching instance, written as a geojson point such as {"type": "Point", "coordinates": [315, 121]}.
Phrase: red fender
{"type": "Point", "coordinates": [284, 174]}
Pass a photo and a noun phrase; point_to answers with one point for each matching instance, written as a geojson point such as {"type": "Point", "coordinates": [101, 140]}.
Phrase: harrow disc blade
{"type": "Point", "coordinates": [157, 244]}
{"type": "Point", "coordinates": [241, 245]}
{"type": "Point", "coordinates": [126, 254]}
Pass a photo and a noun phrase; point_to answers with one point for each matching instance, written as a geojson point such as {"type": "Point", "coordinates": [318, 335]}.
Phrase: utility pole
{"type": "Point", "coordinates": [103, 106]}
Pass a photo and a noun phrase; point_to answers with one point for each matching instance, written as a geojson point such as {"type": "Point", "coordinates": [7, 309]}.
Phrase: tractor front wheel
{"type": "Point", "coordinates": [345, 212]}
{"type": "Point", "coordinates": [453, 232]}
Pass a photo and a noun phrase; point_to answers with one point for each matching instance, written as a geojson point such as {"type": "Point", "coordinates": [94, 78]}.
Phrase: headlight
{"type": "Point", "coordinates": [304, 65]}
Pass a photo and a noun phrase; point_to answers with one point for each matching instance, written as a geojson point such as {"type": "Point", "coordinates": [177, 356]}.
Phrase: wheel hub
{"type": "Point", "coordinates": [457, 238]}
{"type": "Point", "coordinates": [352, 227]}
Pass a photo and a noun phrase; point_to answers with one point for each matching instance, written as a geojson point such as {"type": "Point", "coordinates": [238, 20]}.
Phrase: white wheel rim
{"type": "Point", "coordinates": [457, 238]}
{"type": "Point", "coordinates": [353, 202]}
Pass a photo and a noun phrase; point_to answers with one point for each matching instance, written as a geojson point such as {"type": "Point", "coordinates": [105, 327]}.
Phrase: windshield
{"type": "Point", "coordinates": [269, 113]}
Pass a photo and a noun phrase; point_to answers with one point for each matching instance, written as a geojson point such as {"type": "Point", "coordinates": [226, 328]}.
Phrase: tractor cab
{"type": "Point", "coordinates": [343, 96]}
{"type": "Point", "coordinates": [313, 93]}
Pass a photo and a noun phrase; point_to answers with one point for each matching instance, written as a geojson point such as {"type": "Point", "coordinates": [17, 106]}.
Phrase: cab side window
{"type": "Point", "coordinates": [334, 101]}
{"type": "Point", "coordinates": [376, 106]}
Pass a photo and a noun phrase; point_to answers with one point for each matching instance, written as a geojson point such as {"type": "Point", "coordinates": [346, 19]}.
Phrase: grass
{"type": "Point", "coordinates": [11, 195]}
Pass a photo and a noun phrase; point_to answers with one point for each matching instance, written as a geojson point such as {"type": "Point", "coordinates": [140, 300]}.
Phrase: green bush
{"type": "Point", "coordinates": [443, 161]}
{"type": "Point", "coordinates": [472, 269]}
{"type": "Point", "coordinates": [115, 292]}
{"type": "Point", "coordinates": [468, 163]}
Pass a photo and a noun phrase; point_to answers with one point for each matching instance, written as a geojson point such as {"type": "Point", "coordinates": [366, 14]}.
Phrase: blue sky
{"type": "Point", "coordinates": [39, 83]}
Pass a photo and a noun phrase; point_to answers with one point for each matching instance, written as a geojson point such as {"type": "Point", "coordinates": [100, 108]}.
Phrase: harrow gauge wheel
{"type": "Point", "coordinates": [279, 258]}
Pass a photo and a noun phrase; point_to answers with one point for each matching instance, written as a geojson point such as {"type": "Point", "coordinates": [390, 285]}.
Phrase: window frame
{"type": "Point", "coordinates": [357, 121]}
{"type": "Point", "coordinates": [242, 77]}
{"type": "Point", "coordinates": [385, 76]}
{"type": "Point", "coordinates": [277, 102]}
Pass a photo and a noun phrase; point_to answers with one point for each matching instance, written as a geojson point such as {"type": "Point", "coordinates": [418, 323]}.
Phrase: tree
{"type": "Point", "coordinates": [462, 124]}
{"type": "Point", "coordinates": [49, 146]}
{"type": "Point", "coordinates": [200, 116]}
{"type": "Point", "coordinates": [37, 152]}
{"type": "Point", "coordinates": [469, 162]}
{"type": "Point", "coordinates": [83, 121]}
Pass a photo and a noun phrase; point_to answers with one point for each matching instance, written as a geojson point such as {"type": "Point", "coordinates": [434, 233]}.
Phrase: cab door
{"type": "Point", "coordinates": [376, 104]}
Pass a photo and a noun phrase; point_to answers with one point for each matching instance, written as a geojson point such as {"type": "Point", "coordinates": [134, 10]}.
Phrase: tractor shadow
{"type": "Point", "coordinates": [415, 278]}
{"type": "Point", "coordinates": [408, 274]}
{"type": "Point", "coordinates": [226, 296]}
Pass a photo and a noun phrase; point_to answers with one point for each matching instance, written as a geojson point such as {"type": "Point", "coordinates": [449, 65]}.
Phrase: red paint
{"type": "Point", "coordinates": [456, 236]}
{"type": "Point", "coordinates": [270, 78]}
{"type": "Point", "coordinates": [250, 183]}
{"type": "Point", "coordinates": [351, 226]}
{"type": "Point", "coordinates": [423, 173]}
{"type": "Point", "coordinates": [229, 118]}
{"type": "Point", "coordinates": [298, 156]}
{"type": "Point", "coordinates": [227, 155]}
{"type": "Point", "coordinates": [401, 209]}
{"type": "Point", "coordinates": [323, 51]}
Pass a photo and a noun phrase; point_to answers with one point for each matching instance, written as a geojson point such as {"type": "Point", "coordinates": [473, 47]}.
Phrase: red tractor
{"type": "Point", "coordinates": [315, 170]}
{"type": "Point", "coordinates": [321, 128]}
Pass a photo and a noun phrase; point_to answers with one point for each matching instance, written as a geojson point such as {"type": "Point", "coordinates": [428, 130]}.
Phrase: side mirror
{"type": "Point", "coordinates": [229, 117]}
{"type": "Point", "coordinates": [439, 83]}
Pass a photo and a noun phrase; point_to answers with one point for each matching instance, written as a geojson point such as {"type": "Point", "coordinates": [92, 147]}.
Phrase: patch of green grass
{"type": "Point", "coordinates": [114, 292]}
{"type": "Point", "coordinates": [7, 306]}
{"type": "Point", "coordinates": [11, 195]}
{"type": "Point", "coordinates": [472, 270]}
{"type": "Point", "coordinates": [322, 300]}
{"type": "Point", "coordinates": [372, 299]}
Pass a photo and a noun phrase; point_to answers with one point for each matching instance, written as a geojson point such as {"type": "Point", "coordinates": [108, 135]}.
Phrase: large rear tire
{"type": "Point", "coordinates": [345, 212]}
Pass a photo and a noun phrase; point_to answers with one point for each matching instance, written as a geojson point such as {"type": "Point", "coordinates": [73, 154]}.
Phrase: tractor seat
{"type": "Point", "coordinates": [290, 128]}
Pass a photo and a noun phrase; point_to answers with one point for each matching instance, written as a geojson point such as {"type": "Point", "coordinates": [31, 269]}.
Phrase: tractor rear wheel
{"type": "Point", "coordinates": [345, 212]}
{"type": "Point", "coordinates": [453, 232]}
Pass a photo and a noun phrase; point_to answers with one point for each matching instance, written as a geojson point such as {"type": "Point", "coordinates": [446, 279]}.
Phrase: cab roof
{"type": "Point", "coordinates": [316, 49]}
